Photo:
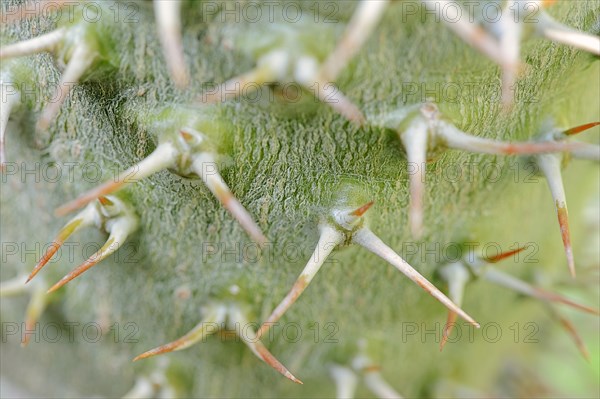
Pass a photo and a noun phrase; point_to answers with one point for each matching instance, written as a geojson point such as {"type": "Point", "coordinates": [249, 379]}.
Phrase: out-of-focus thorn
{"type": "Point", "coordinates": [345, 381]}
{"type": "Point", "coordinates": [14, 286]}
{"type": "Point", "coordinates": [359, 29]}
{"type": "Point", "coordinates": [46, 42]}
{"type": "Point", "coordinates": [513, 283]}
{"type": "Point", "coordinates": [35, 308]}
{"type": "Point", "coordinates": [572, 331]}
{"type": "Point", "coordinates": [456, 276]}
{"type": "Point", "coordinates": [503, 255]}
{"type": "Point", "coordinates": [9, 101]}
{"type": "Point", "coordinates": [168, 20]}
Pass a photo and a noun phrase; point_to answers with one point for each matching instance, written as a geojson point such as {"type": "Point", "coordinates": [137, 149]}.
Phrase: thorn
{"type": "Point", "coordinates": [520, 286]}
{"type": "Point", "coordinates": [370, 241]}
{"type": "Point", "coordinates": [162, 157]}
{"type": "Point", "coordinates": [118, 231]}
{"type": "Point", "coordinates": [560, 33]}
{"type": "Point", "coordinates": [510, 48]}
{"type": "Point", "coordinates": [362, 210]}
{"type": "Point", "coordinates": [252, 341]}
{"type": "Point", "coordinates": [46, 42]}
{"type": "Point", "coordinates": [328, 240]}
{"type": "Point", "coordinates": [572, 331]}
{"type": "Point", "coordinates": [78, 65]}
{"type": "Point", "coordinates": [471, 33]}
{"type": "Point", "coordinates": [35, 308]}
{"type": "Point", "coordinates": [11, 102]}
{"type": "Point", "coordinates": [345, 381]}
{"type": "Point", "coordinates": [550, 166]}
{"type": "Point", "coordinates": [379, 387]}
{"type": "Point", "coordinates": [234, 87]}
{"type": "Point", "coordinates": [415, 140]}
{"type": "Point", "coordinates": [12, 287]}
{"type": "Point", "coordinates": [332, 96]}
{"type": "Point", "coordinates": [457, 139]}
{"type": "Point", "coordinates": [205, 166]}
{"type": "Point", "coordinates": [168, 20]}
{"type": "Point", "coordinates": [503, 255]}
{"type": "Point", "coordinates": [581, 128]}
{"type": "Point", "coordinates": [83, 219]}
{"type": "Point", "coordinates": [359, 29]}
{"type": "Point", "coordinates": [450, 323]}
{"type": "Point", "coordinates": [373, 379]}
{"type": "Point", "coordinates": [456, 276]}
{"type": "Point", "coordinates": [206, 327]}
{"type": "Point", "coordinates": [587, 151]}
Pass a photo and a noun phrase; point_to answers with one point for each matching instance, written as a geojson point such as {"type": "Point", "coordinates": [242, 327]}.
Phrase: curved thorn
{"type": "Point", "coordinates": [457, 139]}
{"type": "Point", "coordinates": [332, 96]}
{"type": "Point", "coordinates": [5, 110]}
{"type": "Point", "coordinates": [362, 210]}
{"type": "Point", "coordinates": [120, 230]}
{"type": "Point", "coordinates": [414, 140]}
{"type": "Point", "coordinates": [550, 166]}
{"type": "Point", "coordinates": [503, 255]}
{"type": "Point", "coordinates": [162, 157]}
{"type": "Point", "coordinates": [253, 342]}
{"type": "Point", "coordinates": [83, 219]}
{"type": "Point", "coordinates": [328, 240]}
{"type": "Point", "coordinates": [78, 65]}
{"type": "Point", "coordinates": [168, 20]}
{"type": "Point", "coordinates": [359, 29]}
{"type": "Point", "coordinates": [472, 34]}
{"type": "Point", "coordinates": [520, 286]}
{"type": "Point", "coordinates": [35, 308]}
{"type": "Point", "coordinates": [345, 381]}
{"type": "Point", "coordinates": [370, 241]}
{"type": "Point", "coordinates": [203, 329]}
{"type": "Point", "coordinates": [12, 287]}
{"type": "Point", "coordinates": [45, 42]}
{"type": "Point", "coordinates": [205, 166]}
{"type": "Point", "coordinates": [581, 128]}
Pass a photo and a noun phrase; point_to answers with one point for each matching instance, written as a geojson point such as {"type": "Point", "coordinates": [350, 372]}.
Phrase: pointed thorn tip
{"type": "Point", "coordinates": [362, 210]}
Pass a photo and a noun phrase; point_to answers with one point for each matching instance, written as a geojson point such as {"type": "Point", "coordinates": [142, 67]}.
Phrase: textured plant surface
{"type": "Point", "coordinates": [290, 163]}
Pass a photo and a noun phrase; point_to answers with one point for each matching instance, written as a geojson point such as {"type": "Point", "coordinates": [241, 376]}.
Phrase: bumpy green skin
{"type": "Point", "coordinates": [286, 163]}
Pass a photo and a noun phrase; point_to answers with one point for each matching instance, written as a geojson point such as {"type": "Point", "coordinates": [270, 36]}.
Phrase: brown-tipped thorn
{"type": "Point", "coordinates": [504, 255]}
{"type": "Point", "coordinates": [362, 210]}
{"type": "Point", "coordinates": [257, 347]}
{"type": "Point", "coordinates": [370, 241]}
{"type": "Point", "coordinates": [581, 128]}
{"type": "Point", "coordinates": [197, 334]}
{"type": "Point", "coordinates": [550, 166]}
{"type": "Point", "coordinates": [108, 248]}
{"type": "Point", "coordinates": [572, 331]}
{"type": "Point", "coordinates": [520, 286]}
{"type": "Point", "coordinates": [450, 323]}
{"type": "Point", "coordinates": [35, 308]}
{"type": "Point", "coordinates": [162, 157]}
{"type": "Point", "coordinates": [204, 165]}
{"type": "Point", "coordinates": [328, 240]}
{"type": "Point", "coordinates": [63, 234]}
